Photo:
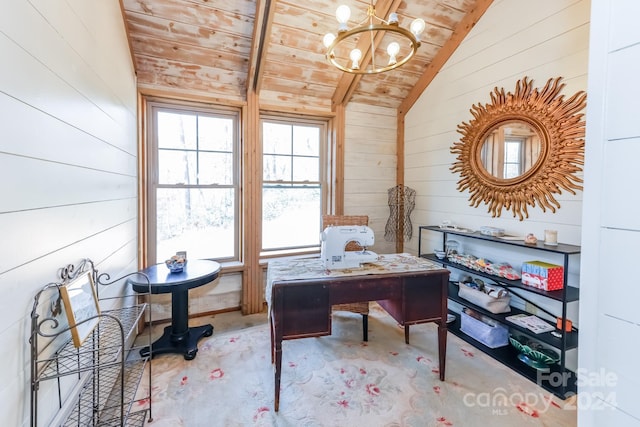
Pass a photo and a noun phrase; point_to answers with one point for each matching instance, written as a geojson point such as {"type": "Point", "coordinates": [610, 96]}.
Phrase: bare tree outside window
{"type": "Point", "coordinates": [292, 183]}
{"type": "Point", "coordinates": [194, 185]}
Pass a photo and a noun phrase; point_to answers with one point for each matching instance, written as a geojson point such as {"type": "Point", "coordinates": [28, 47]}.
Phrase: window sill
{"type": "Point", "coordinates": [297, 253]}
{"type": "Point", "coordinates": [231, 266]}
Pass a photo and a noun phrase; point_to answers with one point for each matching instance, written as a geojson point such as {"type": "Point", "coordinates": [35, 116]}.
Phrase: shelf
{"type": "Point", "coordinates": [103, 346]}
{"type": "Point", "coordinates": [137, 418]}
{"type": "Point", "coordinates": [564, 380]}
{"type": "Point", "coordinates": [545, 337]}
{"type": "Point", "coordinates": [572, 294]}
{"type": "Point", "coordinates": [105, 381]}
{"type": "Point", "coordinates": [134, 371]}
{"type": "Point", "coordinates": [109, 405]}
{"type": "Point", "coordinates": [508, 356]}
{"type": "Point", "coordinates": [561, 248]}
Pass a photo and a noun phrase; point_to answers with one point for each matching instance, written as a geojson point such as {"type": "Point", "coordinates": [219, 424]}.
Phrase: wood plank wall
{"type": "Point", "coordinates": [67, 163]}
{"type": "Point", "coordinates": [370, 166]}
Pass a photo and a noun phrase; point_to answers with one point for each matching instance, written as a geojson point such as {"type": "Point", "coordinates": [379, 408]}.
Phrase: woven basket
{"type": "Point", "coordinates": [330, 220]}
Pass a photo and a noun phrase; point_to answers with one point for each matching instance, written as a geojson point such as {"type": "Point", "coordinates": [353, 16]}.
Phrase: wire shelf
{"type": "Point", "coordinates": [110, 408]}
{"type": "Point", "coordinates": [104, 381]}
{"type": "Point", "coordinates": [103, 346]}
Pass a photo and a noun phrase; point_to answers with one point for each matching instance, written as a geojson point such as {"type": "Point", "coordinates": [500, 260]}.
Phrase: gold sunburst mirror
{"type": "Point", "coordinates": [522, 148]}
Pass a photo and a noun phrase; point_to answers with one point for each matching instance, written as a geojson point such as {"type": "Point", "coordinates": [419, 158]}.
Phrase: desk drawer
{"type": "Point", "coordinates": [366, 289]}
{"type": "Point", "coordinates": [423, 299]}
{"type": "Point", "coordinates": [305, 310]}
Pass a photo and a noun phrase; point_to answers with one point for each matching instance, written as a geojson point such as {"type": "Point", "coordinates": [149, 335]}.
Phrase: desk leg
{"type": "Point", "coordinates": [278, 370]}
{"type": "Point", "coordinates": [365, 327]}
{"type": "Point", "coordinates": [272, 348]}
{"type": "Point", "coordinates": [442, 346]}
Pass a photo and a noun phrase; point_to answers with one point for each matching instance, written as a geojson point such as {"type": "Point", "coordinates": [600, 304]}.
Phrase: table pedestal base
{"type": "Point", "coordinates": [187, 344]}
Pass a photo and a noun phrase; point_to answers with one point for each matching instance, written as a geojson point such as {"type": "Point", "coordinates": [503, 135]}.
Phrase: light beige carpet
{"type": "Point", "coordinates": [340, 381]}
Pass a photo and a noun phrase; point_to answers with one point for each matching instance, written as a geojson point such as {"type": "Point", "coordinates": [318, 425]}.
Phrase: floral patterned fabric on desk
{"type": "Point", "coordinates": [313, 268]}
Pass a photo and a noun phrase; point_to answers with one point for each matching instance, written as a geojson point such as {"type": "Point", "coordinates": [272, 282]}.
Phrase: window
{"type": "Point", "coordinates": [292, 182]}
{"type": "Point", "coordinates": [193, 195]}
{"type": "Point", "coordinates": [513, 157]}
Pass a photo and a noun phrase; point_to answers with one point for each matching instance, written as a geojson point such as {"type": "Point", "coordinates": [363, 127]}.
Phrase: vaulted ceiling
{"type": "Point", "coordinates": [220, 49]}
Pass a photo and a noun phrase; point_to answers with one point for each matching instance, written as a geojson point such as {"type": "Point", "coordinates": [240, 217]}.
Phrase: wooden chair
{"type": "Point", "coordinates": [358, 307]}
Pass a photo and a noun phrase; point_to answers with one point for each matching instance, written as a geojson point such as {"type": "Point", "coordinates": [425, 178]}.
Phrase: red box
{"type": "Point", "coordinates": [542, 275]}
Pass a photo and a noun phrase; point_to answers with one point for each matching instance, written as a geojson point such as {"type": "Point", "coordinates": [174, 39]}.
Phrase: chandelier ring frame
{"type": "Point", "coordinates": [344, 35]}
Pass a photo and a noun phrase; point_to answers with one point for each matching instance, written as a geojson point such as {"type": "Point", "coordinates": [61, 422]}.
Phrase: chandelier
{"type": "Point", "coordinates": [376, 30]}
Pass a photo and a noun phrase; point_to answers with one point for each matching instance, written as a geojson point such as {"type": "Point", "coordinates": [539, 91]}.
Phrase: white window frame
{"type": "Point", "coordinates": [520, 143]}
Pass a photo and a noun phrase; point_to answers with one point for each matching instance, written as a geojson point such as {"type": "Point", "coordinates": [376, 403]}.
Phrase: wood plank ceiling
{"type": "Point", "coordinates": [205, 49]}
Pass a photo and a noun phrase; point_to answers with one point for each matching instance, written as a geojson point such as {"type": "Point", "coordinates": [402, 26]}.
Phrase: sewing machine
{"type": "Point", "coordinates": [334, 241]}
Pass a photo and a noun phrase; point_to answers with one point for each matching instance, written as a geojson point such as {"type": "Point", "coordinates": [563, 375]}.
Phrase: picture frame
{"type": "Point", "coordinates": [81, 306]}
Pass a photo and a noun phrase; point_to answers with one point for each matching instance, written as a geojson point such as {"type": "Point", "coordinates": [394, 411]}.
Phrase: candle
{"type": "Point", "coordinates": [551, 237]}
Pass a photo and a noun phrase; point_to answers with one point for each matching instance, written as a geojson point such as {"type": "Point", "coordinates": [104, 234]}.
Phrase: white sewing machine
{"type": "Point", "coordinates": [334, 241]}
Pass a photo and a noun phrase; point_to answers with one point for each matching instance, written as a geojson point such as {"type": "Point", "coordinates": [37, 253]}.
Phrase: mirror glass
{"type": "Point", "coordinates": [510, 149]}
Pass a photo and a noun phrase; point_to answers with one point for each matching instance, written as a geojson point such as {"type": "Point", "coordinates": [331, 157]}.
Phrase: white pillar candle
{"type": "Point", "coordinates": [551, 237]}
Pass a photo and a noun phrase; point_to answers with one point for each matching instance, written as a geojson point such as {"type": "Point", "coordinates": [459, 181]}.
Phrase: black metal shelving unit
{"type": "Point", "coordinates": [560, 381]}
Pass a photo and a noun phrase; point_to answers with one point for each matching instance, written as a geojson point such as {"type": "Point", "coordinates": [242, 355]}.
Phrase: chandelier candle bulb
{"type": "Point", "coordinates": [355, 56]}
{"type": "Point", "coordinates": [417, 26]}
{"type": "Point", "coordinates": [393, 50]}
{"type": "Point", "coordinates": [343, 13]}
{"type": "Point", "coordinates": [328, 39]}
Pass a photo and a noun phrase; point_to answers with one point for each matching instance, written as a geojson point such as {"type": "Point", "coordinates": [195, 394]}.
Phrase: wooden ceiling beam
{"type": "Point", "coordinates": [349, 82]}
{"type": "Point", "coordinates": [459, 33]}
{"type": "Point", "coordinates": [265, 10]}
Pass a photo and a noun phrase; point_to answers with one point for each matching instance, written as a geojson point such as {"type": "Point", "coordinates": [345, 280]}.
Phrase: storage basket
{"type": "Point", "coordinates": [494, 304]}
{"type": "Point", "coordinates": [493, 336]}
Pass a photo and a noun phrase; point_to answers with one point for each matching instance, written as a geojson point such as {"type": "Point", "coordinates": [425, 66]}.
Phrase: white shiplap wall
{"type": "Point", "coordinates": [370, 166]}
{"type": "Point", "coordinates": [67, 162]}
{"type": "Point", "coordinates": [550, 39]}
{"type": "Point", "coordinates": [610, 293]}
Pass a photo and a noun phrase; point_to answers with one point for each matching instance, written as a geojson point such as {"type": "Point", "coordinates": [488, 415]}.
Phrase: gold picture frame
{"type": "Point", "coordinates": [81, 306]}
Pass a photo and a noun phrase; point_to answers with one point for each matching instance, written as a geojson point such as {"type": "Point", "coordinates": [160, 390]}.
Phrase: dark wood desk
{"type": "Point", "coordinates": [177, 337]}
{"type": "Point", "coordinates": [301, 292]}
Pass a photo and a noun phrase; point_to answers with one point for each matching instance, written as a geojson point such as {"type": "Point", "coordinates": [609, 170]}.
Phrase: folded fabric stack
{"type": "Point", "coordinates": [502, 269]}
